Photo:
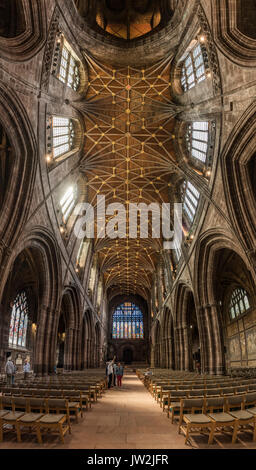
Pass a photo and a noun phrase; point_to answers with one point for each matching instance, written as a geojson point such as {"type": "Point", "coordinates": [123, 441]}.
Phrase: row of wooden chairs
{"type": "Point", "coordinates": [47, 408]}
{"type": "Point", "coordinates": [215, 414]}
{"type": "Point", "coordinates": [37, 414]}
{"type": "Point", "coordinates": [166, 396]}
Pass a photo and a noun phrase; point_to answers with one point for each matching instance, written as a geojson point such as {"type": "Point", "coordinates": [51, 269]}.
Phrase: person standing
{"type": "Point", "coordinates": [114, 373]}
{"type": "Point", "coordinates": [10, 371]}
{"type": "Point", "coordinates": [110, 372]}
{"type": "Point", "coordinates": [119, 374]}
{"type": "Point", "coordinates": [26, 369]}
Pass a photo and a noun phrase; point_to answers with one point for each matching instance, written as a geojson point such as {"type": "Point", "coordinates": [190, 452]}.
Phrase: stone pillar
{"type": "Point", "coordinates": [211, 339]}
{"type": "Point", "coordinates": [182, 348]}
{"type": "Point", "coordinates": [152, 360]}
{"type": "Point", "coordinates": [39, 360]}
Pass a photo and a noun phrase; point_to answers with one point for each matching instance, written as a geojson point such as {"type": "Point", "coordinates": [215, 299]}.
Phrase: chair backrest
{"type": "Point", "coordinates": [234, 402]}
{"type": "Point", "coordinates": [252, 387]}
{"type": "Point", "coordinates": [228, 390]}
{"type": "Point", "coordinates": [192, 404]}
{"type": "Point", "coordinates": [20, 403]}
{"type": "Point", "coordinates": [40, 393]}
{"type": "Point", "coordinates": [196, 393]}
{"type": "Point", "coordinates": [56, 404]}
{"type": "Point", "coordinates": [175, 394]}
{"type": "Point", "coordinates": [213, 391]}
{"type": "Point", "coordinates": [6, 403]}
{"type": "Point", "coordinates": [197, 387]}
{"type": "Point", "coordinates": [36, 404]}
{"type": "Point", "coordinates": [250, 398]}
{"type": "Point", "coordinates": [54, 393]}
{"type": "Point", "coordinates": [215, 404]}
{"type": "Point", "coordinates": [241, 389]}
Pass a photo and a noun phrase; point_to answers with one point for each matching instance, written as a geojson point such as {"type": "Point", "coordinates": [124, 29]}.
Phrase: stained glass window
{"type": "Point", "coordinates": [197, 140]}
{"type": "Point", "coordinates": [193, 69]}
{"type": "Point", "coordinates": [19, 322]}
{"type": "Point", "coordinates": [128, 322]}
{"type": "Point", "coordinates": [63, 135]}
{"type": "Point", "coordinates": [69, 69]}
{"type": "Point", "coordinates": [239, 303]}
{"type": "Point", "coordinates": [191, 199]}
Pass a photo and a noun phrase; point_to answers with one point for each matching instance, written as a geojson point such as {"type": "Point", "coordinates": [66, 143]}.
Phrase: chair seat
{"type": "Point", "coordinates": [13, 416]}
{"type": "Point", "coordinates": [222, 417]}
{"type": "Point", "coordinates": [73, 404]}
{"type": "Point", "coordinates": [252, 410]}
{"type": "Point", "coordinates": [30, 417]}
{"type": "Point", "coordinates": [197, 418]}
{"type": "Point", "coordinates": [241, 414]}
{"type": "Point", "coordinates": [51, 418]}
{"type": "Point", "coordinates": [3, 413]}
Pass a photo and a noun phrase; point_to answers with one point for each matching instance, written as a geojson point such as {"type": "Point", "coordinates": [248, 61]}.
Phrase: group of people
{"type": "Point", "coordinates": [10, 370]}
{"type": "Point", "coordinates": [114, 373]}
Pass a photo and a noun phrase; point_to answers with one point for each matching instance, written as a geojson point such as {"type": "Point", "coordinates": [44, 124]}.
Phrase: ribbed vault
{"type": "Point", "coordinates": [129, 157]}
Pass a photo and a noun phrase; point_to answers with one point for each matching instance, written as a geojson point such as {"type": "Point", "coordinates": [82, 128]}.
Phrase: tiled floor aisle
{"type": "Point", "coordinates": [126, 418]}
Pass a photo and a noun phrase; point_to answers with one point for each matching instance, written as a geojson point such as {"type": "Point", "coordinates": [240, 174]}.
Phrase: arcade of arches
{"type": "Point", "coordinates": [141, 102]}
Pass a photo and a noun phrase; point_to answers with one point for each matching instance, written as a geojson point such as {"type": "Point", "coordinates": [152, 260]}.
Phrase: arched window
{"type": "Point", "coordinates": [67, 203]}
{"type": "Point", "coordinates": [239, 303]}
{"type": "Point", "coordinates": [68, 68]}
{"type": "Point", "coordinates": [193, 68]}
{"type": "Point", "coordinates": [191, 200]}
{"type": "Point", "coordinates": [128, 322]}
{"type": "Point", "coordinates": [82, 253]}
{"type": "Point", "coordinates": [63, 136]}
{"type": "Point", "coordinates": [197, 139]}
{"type": "Point", "coordinates": [19, 322]}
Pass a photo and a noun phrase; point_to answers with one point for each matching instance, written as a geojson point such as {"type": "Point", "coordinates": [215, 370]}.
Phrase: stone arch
{"type": "Point", "coordinates": [168, 355]}
{"type": "Point", "coordinates": [229, 33]}
{"type": "Point", "coordinates": [29, 35]}
{"type": "Point", "coordinates": [87, 342]}
{"type": "Point", "coordinates": [40, 247]}
{"type": "Point", "coordinates": [186, 328]}
{"type": "Point", "coordinates": [16, 196]}
{"type": "Point", "coordinates": [69, 321]}
{"type": "Point", "coordinates": [238, 161]}
{"type": "Point", "coordinates": [209, 314]}
{"type": "Point", "coordinates": [97, 344]}
{"type": "Point", "coordinates": [157, 344]}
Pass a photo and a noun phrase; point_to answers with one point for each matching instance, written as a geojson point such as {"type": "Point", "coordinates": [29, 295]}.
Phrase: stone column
{"type": "Point", "coordinates": [211, 339]}
{"type": "Point", "coordinates": [182, 352]}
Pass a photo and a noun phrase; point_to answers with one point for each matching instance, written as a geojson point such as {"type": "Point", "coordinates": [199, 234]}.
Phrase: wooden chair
{"type": "Point", "coordinates": [3, 413]}
{"type": "Point", "coordinates": [53, 422]}
{"type": "Point", "coordinates": [191, 422]}
{"type": "Point", "coordinates": [235, 407]}
{"type": "Point", "coordinates": [174, 399]}
{"type": "Point", "coordinates": [215, 409]}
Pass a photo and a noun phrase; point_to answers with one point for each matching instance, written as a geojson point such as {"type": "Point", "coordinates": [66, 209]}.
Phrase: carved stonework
{"type": "Point", "coordinates": [211, 51]}
{"type": "Point", "coordinates": [49, 49]}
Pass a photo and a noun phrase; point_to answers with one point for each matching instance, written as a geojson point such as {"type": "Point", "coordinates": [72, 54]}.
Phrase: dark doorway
{"type": "Point", "coordinates": [127, 356]}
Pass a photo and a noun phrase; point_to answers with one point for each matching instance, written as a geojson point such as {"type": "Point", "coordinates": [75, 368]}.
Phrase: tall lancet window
{"type": "Point", "coordinates": [239, 303]}
{"type": "Point", "coordinates": [191, 200]}
{"type": "Point", "coordinates": [197, 140]}
{"type": "Point", "coordinates": [68, 72]}
{"type": "Point", "coordinates": [19, 322]}
{"type": "Point", "coordinates": [63, 136]}
{"type": "Point", "coordinates": [68, 202]}
{"type": "Point", "coordinates": [193, 68]}
{"type": "Point", "coordinates": [128, 322]}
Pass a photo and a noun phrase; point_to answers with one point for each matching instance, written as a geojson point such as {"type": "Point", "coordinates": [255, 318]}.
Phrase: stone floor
{"type": "Point", "coordinates": [126, 418]}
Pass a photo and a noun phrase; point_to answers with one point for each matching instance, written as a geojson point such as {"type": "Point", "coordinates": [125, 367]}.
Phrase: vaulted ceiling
{"type": "Point", "coordinates": [129, 157]}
